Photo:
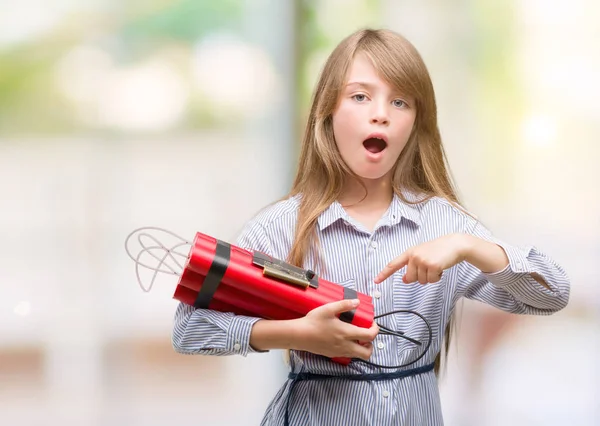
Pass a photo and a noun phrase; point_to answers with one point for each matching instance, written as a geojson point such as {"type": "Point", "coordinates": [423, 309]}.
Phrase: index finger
{"type": "Point", "coordinates": [362, 334]}
{"type": "Point", "coordinates": [398, 263]}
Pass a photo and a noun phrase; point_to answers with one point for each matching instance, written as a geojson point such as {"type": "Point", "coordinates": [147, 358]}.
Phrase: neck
{"type": "Point", "coordinates": [379, 193]}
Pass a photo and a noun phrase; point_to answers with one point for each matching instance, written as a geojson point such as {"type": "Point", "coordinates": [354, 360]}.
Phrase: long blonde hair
{"type": "Point", "coordinates": [422, 166]}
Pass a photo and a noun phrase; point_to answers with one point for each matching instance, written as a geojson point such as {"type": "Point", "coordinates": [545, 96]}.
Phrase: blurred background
{"type": "Point", "coordinates": [186, 114]}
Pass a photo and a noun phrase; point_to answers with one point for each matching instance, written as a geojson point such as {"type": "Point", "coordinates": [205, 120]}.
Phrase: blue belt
{"type": "Point", "coordinates": [374, 377]}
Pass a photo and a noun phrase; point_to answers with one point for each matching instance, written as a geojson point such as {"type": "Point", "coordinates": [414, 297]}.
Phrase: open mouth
{"type": "Point", "coordinates": [375, 145]}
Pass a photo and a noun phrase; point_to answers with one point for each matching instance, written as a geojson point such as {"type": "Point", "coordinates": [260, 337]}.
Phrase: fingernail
{"type": "Point", "coordinates": [355, 302]}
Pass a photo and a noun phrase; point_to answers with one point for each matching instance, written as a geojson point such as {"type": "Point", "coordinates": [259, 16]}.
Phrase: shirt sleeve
{"type": "Point", "coordinates": [208, 332]}
{"type": "Point", "coordinates": [514, 289]}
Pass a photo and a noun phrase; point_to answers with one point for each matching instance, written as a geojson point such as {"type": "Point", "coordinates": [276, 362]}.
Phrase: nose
{"type": "Point", "coordinates": [379, 115]}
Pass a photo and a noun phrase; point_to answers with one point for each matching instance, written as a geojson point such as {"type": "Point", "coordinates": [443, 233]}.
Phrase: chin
{"type": "Point", "coordinates": [372, 175]}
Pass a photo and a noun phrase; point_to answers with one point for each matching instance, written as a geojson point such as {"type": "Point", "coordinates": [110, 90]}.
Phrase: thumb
{"type": "Point", "coordinates": [340, 306]}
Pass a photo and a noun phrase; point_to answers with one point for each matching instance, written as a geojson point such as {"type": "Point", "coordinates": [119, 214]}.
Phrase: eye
{"type": "Point", "coordinates": [399, 103]}
{"type": "Point", "coordinates": [359, 97]}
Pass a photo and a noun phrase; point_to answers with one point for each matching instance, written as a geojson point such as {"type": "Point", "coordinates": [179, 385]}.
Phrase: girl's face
{"type": "Point", "coordinates": [372, 122]}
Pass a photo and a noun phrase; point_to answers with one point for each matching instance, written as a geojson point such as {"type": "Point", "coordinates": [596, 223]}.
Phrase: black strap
{"type": "Point", "coordinates": [215, 275]}
{"type": "Point", "coordinates": [374, 377]}
{"type": "Point", "coordinates": [368, 377]}
{"type": "Point", "coordinates": [348, 316]}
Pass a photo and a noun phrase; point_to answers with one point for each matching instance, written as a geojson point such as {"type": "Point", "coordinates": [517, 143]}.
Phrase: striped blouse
{"type": "Point", "coordinates": [353, 256]}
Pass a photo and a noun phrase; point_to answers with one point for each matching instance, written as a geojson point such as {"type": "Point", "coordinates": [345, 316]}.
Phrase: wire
{"type": "Point", "coordinates": [387, 331]}
{"type": "Point", "coordinates": [164, 253]}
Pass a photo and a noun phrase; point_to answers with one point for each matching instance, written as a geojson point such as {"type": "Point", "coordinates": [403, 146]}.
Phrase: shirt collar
{"type": "Point", "coordinates": [331, 214]}
{"type": "Point", "coordinates": [398, 209]}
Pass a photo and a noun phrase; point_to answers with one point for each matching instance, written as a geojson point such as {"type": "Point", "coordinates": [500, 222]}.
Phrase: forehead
{"type": "Point", "coordinates": [362, 73]}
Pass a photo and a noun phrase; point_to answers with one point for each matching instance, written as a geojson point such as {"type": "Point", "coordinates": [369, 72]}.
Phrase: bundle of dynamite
{"type": "Point", "coordinates": [220, 276]}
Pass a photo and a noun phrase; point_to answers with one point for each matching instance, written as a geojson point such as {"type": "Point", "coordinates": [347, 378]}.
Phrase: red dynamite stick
{"type": "Point", "coordinates": [231, 299]}
{"type": "Point", "coordinates": [226, 278]}
{"type": "Point", "coordinates": [187, 296]}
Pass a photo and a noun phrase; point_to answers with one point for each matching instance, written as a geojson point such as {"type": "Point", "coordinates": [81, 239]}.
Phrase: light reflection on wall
{"type": "Point", "coordinates": [237, 78]}
{"type": "Point", "coordinates": [232, 79]}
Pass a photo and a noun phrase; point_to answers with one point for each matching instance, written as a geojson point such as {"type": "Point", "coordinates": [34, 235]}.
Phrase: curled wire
{"type": "Point", "coordinates": [159, 252]}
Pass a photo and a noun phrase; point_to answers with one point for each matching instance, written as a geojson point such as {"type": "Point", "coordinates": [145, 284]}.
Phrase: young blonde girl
{"type": "Point", "coordinates": [373, 208]}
